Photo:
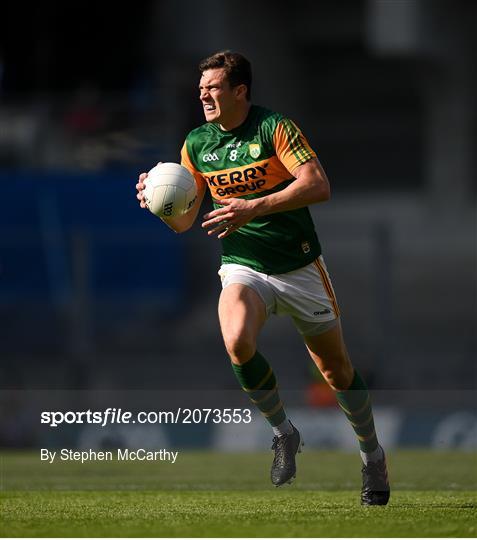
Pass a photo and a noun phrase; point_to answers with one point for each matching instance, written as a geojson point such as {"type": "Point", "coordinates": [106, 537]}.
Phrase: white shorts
{"type": "Point", "coordinates": [305, 294]}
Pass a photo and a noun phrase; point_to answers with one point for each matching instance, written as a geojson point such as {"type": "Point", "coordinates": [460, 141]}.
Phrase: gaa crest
{"type": "Point", "coordinates": [254, 150]}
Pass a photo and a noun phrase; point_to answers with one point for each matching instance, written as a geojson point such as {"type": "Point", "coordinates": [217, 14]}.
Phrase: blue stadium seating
{"type": "Point", "coordinates": [56, 225]}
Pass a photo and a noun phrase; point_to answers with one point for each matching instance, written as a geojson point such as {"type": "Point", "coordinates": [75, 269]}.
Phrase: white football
{"type": "Point", "coordinates": [170, 190]}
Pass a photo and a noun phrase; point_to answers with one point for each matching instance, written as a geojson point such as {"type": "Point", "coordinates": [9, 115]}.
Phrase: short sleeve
{"type": "Point", "coordinates": [291, 146]}
{"type": "Point", "coordinates": [187, 163]}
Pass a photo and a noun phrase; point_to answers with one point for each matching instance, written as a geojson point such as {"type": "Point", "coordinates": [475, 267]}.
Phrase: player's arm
{"type": "Point", "coordinates": [309, 187]}
{"type": "Point", "coordinates": [311, 184]}
{"type": "Point", "coordinates": [183, 223]}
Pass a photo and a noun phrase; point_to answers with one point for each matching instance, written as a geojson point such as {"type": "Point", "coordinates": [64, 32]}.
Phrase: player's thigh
{"type": "Point", "coordinates": [242, 313]}
{"type": "Point", "coordinates": [328, 351]}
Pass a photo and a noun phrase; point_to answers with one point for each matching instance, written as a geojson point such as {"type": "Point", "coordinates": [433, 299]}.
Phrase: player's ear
{"type": "Point", "coordinates": [241, 91]}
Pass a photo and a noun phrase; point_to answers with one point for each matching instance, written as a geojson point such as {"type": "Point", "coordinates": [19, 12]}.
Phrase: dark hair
{"type": "Point", "coordinates": [237, 68]}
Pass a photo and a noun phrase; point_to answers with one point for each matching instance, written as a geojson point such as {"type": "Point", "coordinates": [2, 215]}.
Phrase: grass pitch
{"type": "Point", "coordinates": [227, 495]}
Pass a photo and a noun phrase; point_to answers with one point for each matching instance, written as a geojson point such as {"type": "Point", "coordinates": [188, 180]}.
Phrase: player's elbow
{"type": "Point", "coordinates": [322, 191]}
{"type": "Point", "coordinates": [325, 193]}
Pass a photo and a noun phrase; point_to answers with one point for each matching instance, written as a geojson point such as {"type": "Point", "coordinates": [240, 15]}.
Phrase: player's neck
{"type": "Point", "coordinates": [238, 119]}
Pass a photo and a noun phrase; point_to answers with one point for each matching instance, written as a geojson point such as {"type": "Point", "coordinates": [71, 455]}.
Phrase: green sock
{"type": "Point", "coordinates": [356, 404]}
{"type": "Point", "coordinates": [258, 380]}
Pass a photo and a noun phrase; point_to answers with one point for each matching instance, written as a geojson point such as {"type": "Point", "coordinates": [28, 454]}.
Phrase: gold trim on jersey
{"type": "Point", "coordinates": [291, 146]}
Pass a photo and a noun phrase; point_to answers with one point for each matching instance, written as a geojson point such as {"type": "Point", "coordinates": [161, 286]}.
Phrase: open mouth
{"type": "Point", "coordinates": [208, 107]}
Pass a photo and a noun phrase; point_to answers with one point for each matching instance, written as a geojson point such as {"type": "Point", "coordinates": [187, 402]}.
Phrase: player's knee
{"type": "Point", "coordinates": [240, 348]}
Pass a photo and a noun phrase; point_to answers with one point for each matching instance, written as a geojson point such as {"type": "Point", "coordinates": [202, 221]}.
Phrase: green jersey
{"type": "Point", "coordinates": [253, 160]}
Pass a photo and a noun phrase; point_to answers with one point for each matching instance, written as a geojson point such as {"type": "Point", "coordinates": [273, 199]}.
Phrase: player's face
{"type": "Point", "coordinates": [219, 100]}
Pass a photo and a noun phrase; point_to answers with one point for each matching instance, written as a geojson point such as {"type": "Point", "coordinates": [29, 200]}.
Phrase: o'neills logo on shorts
{"type": "Point", "coordinates": [239, 181]}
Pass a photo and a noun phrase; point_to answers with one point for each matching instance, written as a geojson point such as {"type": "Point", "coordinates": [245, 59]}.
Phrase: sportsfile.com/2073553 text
{"type": "Point", "coordinates": [113, 415]}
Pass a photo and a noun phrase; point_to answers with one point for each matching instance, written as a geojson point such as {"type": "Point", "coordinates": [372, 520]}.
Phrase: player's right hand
{"type": "Point", "coordinates": [140, 188]}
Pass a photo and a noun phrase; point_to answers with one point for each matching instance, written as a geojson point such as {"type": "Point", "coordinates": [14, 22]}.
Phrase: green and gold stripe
{"type": "Point", "coordinates": [356, 404]}
{"type": "Point", "coordinates": [300, 151]}
{"type": "Point", "coordinates": [258, 380]}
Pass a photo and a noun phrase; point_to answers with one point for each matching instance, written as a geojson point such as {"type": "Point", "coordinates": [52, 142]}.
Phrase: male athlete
{"type": "Point", "coordinates": [262, 175]}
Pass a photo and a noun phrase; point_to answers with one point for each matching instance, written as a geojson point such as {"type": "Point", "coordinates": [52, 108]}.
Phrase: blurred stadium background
{"type": "Point", "coordinates": [97, 295]}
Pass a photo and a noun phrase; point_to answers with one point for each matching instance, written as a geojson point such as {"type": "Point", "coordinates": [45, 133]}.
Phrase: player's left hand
{"type": "Point", "coordinates": [234, 214]}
